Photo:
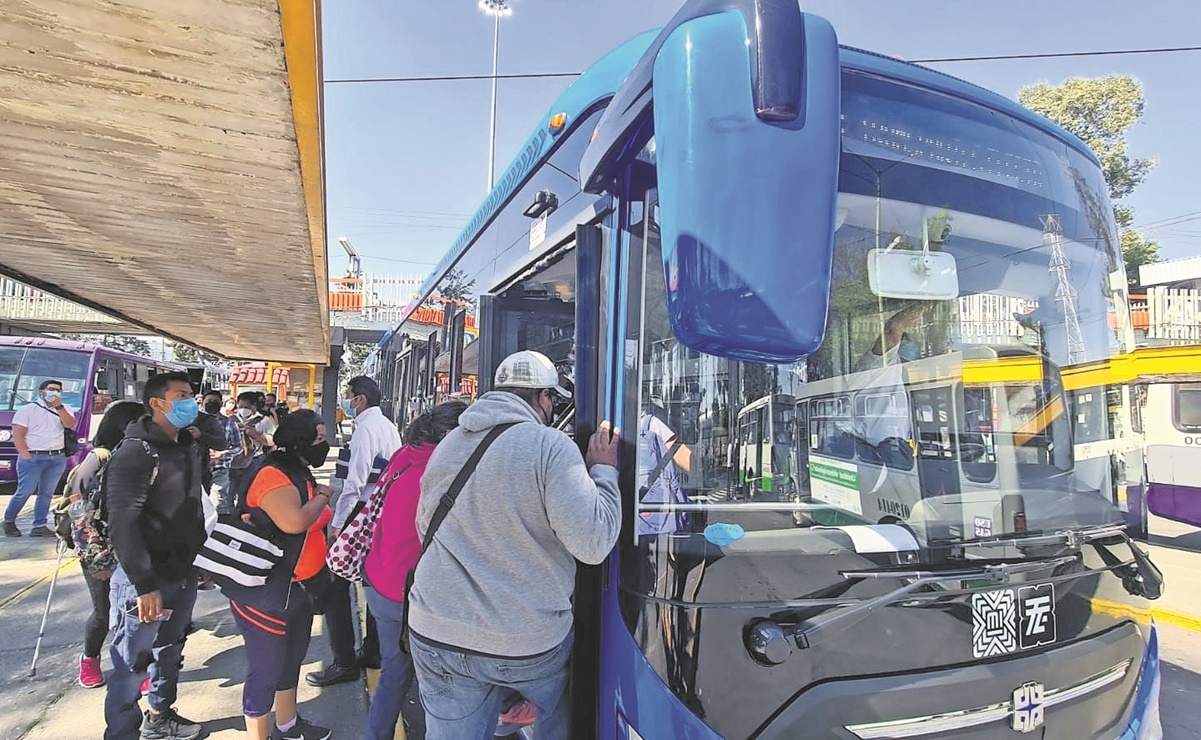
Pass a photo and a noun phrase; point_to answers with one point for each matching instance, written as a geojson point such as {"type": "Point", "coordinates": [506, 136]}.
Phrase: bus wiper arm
{"type": "Point", "coordinates": [1140, 578]}
{"type": "Point", "coordinates": [1073, 538]}
{"type": "Point", "coordinates": [769, 642]}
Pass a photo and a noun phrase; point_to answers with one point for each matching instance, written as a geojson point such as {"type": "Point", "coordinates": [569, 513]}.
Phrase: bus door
{"type": "Point", "coordinates": [934, 438]}
{"type": "Point", "coordinates": [561, 309]}
{"type": "Point", "coordinates": [884, 453]}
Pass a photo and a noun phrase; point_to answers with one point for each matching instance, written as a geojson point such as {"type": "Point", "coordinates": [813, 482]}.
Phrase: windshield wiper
{"type": "Point", "coordinates": [1140, 577]}
{"type": "Point", "coordinates": [769, 642]}
{"type": "Point", "coordinates": [1071, 537]}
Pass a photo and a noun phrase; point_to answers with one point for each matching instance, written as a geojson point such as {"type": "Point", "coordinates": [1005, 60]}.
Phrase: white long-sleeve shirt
{"type": "Point", "coordinates": [374, 436]}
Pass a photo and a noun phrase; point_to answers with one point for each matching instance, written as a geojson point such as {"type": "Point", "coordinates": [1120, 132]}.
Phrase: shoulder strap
{"type": "Point", "coordinates": [448, 498]}
{"type": "Point", "coordinates": [657, 471]}
{"type": "Point", "coordinates": [52, 412]}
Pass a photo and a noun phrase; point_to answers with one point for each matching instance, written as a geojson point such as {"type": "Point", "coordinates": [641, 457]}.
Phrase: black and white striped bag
{"type": "Point", "coordinates": [237, 551]}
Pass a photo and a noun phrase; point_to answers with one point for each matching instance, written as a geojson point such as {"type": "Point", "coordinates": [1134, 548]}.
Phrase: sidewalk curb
{"type": "Point", "coordinates": [1167, 616]}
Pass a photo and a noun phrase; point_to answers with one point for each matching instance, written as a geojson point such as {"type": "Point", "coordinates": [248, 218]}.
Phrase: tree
{"type": "Point", "coordinates": [1101, 111]}
{"type": "Point", "coordinates": [185, 353]}
{"type": "Point", "coordinates": [456, 287]}
{"type": "Point", "coordinates": [354, 365]}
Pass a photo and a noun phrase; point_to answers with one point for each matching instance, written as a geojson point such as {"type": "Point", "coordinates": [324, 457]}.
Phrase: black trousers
{"type": "Point", "coordinates": [96, 628]}
{"type": "Point", "coordinates": [339, 624]}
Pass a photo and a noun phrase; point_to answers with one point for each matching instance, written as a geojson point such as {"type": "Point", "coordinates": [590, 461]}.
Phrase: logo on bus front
{"type": "Point", "coordinates": [1028, 709]}
{"type": "Point", "coordinates": [1008, 620]}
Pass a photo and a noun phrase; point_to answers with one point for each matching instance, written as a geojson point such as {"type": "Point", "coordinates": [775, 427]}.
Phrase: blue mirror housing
{"type": "Point", "coordinates": [747, 147]}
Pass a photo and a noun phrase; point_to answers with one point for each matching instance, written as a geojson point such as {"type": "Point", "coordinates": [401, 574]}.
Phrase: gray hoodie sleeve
{"type": "Point", "coordinates": [584, 507]}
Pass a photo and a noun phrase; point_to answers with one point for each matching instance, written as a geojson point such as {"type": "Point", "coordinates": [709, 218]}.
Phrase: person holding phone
{"type": "Point", "coordinates": [156, 523]}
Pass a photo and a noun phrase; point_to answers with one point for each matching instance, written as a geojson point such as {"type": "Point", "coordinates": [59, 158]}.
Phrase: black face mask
{"type": "Point", "coordinates": [316, 455]}
{"type": "Point", "coordinates": [212, 407]}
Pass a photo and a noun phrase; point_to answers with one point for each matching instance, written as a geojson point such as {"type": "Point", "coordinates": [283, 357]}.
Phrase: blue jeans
{"type": "Point", "coordinates": [40, 476]}
{"type": "Point", "coordinates": [136, 648]}
{"type": "Point", "coordinates": [222, 492]}
{"type": "Point", "coordinates": [396, 672]}
{"type": "Point", "coordinates": [463, 693]}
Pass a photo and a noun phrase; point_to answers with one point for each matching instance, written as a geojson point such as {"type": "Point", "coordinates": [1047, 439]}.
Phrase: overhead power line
{"type": "Point", "coordinates": [454, 78]}
{"type": "Point", "coordinates": [1057, 55]}
{"type": "Point", "coordinates": [931, 60]}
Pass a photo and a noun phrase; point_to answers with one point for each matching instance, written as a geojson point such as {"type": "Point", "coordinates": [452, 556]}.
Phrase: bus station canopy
{"type": "Point", "coordinates": [162, 163]}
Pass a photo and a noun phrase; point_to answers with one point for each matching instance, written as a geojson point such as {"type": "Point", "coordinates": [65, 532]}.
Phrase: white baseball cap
{"type": "Point", "coordinates": [527, 369]}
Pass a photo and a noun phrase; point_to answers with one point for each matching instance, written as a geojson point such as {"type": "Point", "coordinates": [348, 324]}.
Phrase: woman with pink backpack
{"type": "Point", "coordinates": [395, 547]}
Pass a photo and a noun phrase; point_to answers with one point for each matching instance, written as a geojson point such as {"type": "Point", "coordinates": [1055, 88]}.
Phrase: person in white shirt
{"type": "Point", "coordinates": [374, 441]}
{"type": "Point", "coordinates": [39, 436]}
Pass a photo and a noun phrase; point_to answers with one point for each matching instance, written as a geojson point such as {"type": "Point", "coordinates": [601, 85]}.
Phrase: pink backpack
{"type": "Point", "coordinates": [348, 553]}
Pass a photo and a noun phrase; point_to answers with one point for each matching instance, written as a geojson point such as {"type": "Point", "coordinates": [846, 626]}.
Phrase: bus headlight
{"type": "Point", "coordinates": [6, 435]}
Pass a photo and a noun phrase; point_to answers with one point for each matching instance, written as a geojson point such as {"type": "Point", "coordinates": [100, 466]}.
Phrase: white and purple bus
{"type": "Point", "coordinates": [92, 377]}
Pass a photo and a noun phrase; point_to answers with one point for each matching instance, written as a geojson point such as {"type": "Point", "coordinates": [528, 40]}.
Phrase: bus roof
{"type": "Point", "coordinates": [76, 346]}
{"type": "Point", "coordinates": [602, 81]}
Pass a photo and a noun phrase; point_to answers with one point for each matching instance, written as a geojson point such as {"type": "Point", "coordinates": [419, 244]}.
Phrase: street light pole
{"type": "Point", "coordinates": [496, 9]}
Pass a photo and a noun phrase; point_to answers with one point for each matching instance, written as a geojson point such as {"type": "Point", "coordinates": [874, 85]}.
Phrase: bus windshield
{"type": "Point", "coordinates": [946, 418]}
{"type": "Point", "coordinates": [23, 369]}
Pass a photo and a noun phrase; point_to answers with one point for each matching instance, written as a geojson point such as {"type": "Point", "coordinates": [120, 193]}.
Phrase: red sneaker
{"type": "Point", "coordinates": [90, 675]}
{"type": "Point", "coordinates": [146, 687]}
{"type": "Point", "coordinates": [520, 714]}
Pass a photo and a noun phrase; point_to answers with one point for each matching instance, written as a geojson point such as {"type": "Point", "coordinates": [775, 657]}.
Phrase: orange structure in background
{"type": "Point", "coordinates": [346, 294]}
{"type": "Point", "coordinates": [272, 376]}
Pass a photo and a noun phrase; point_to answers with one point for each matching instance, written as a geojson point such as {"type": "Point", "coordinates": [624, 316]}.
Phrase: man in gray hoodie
{"type": "Point", "coordinates": [490, 610]}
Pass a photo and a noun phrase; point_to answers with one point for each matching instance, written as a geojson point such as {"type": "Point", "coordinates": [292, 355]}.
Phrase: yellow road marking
{"type": "Point", "coordinates": [20, 595]}
{"type": "Point", "coordinates": [1116, 609]}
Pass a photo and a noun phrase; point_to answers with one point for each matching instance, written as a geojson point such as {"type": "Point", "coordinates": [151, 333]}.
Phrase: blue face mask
{"type": "Point", "coordinates": [348, 409]}
{"type": "Point", "coordinates": [908, 351]}
{"type": "Point", "coordinates": [183, 412]}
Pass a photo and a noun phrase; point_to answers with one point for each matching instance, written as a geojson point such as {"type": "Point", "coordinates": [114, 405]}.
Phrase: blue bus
{"type": "Point", "coordinates": [737, 208]}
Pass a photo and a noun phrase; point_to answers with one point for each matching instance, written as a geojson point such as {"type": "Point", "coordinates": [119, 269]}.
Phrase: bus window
{"type": "Point", "coordinates": [105, 383]}
{"type": "Point", "coordinates": [883, 428]}
{"type": "Point", "coordinates": [1186, 407]}
{"type": "Point", "coordinates": [1138, 401]}
{"type": "Point", "coordinates": [830, 426]}
{"type": "Point", "coordinates": [143, 375]}
{"type": "Point", "coordinates": [130, 382]}
{"type": "Point", "coordinates": [69, 367]}
{"type": "Point", "coordinates": [10, 367]}
{"type": "Point", "coordinates": [977, 451]}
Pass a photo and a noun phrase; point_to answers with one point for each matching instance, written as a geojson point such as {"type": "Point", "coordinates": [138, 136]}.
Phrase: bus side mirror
{"type": "Point", "coordinates": [747, 148]}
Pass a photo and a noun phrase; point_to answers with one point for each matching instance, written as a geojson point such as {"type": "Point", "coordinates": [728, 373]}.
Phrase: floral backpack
{"type": "Point", "coordinates": [349, 551]}
{"type": "Point", "coordinates": [90, 531]}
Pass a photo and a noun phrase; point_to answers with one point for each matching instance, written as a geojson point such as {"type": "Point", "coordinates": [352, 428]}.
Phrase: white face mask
{"type": "Point", "coordinates": [245, 413]}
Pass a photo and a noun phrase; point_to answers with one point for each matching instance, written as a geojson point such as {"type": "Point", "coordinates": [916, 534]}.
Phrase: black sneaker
{"type": "Point", "coordinates": [41, 532]}
{"type": "Point", "coordinates": [168, 726]}
{"type": "Point", "coordinates": [335, 674]}
{"type": "Point", "coordinates": [10, 530]}
{"type": "Point", "coordinates": [302, 730]}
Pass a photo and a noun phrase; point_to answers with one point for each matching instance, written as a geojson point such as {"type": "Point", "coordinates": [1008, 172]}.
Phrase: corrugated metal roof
{"type": "Point", "coordinates": [162, 162]}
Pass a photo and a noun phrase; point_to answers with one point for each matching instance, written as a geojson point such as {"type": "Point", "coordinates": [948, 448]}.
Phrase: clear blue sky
{"type": "Point", "coordinates": [407, 162]}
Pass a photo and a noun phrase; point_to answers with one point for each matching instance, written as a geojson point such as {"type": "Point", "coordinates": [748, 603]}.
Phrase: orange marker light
{"type": "Point", "coordinates": [557, 122]}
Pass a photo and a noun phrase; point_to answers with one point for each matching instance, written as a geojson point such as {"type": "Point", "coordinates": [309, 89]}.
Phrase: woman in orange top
{"type": "Point", "coordinates": [286, 504]}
